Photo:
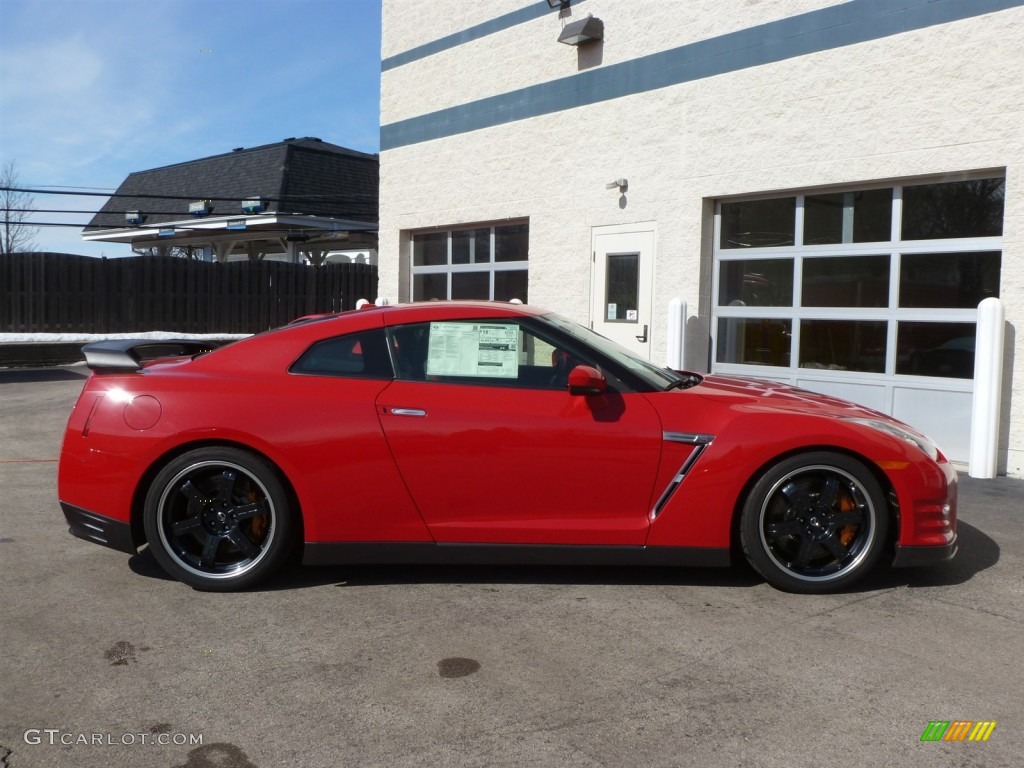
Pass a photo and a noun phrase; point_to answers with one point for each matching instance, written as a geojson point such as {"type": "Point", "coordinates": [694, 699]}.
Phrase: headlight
{"type": "Point", "coordinates": [917, 440]}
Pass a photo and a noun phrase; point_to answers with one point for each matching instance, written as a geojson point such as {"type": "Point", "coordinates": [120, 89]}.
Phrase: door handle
{"type": "Point", "coordinates": [643, 339]}
{"type": "Point", "coordinates": [408, 412]}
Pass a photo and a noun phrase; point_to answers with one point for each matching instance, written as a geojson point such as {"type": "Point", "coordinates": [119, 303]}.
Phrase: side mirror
{"type": "Point", "coordinates": [586, 380]}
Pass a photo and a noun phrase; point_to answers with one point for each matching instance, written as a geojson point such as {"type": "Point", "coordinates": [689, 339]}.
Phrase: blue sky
{"type": "Point", "coordinates": [91, 90]}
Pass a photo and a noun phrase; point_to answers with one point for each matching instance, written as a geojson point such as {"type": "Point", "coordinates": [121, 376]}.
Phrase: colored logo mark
{"type": "Point", "coordinates": [958, 730]}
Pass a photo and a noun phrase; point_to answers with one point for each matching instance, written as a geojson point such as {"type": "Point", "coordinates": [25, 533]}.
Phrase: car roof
{"type": "Point", "coordinates": [396, 314]}
{"type": "Point", "coordinates": [423, 310]}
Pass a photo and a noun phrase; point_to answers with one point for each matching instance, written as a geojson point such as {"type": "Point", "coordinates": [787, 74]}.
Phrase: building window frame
{"type": "Point", "coordinates": [450, 269]}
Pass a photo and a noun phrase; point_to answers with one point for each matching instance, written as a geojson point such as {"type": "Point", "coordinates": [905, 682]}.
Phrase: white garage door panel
{"type": "Point", "coordinates": [944, 416]}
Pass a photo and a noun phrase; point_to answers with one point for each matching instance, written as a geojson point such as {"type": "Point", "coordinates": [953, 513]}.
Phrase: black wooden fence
{"type": "Point", "coordinates": [62, 293]}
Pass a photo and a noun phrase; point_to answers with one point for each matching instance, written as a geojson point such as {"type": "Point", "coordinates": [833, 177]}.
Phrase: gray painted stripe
{"type": "Point", "coordinates": [854, 22]}
{"type": "Point", "coordinates": [499, 24]}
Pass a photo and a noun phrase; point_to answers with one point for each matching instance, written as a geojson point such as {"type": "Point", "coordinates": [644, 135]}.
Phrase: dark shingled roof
{"type": "Point", "coordinates": [295, 176]}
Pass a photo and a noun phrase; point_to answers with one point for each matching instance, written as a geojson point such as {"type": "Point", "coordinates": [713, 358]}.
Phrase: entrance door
{"type": "Point", "coordinates": [623, 275]}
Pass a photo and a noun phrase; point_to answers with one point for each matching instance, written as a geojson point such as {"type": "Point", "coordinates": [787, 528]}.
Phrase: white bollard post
{"type": "Point", "coordinates": [988, 385]}
{"type": "Point", "coordinates": [676, 338]}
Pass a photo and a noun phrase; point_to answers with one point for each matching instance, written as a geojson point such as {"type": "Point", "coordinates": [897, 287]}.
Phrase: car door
{"type": "Point", "coordinates": [494, 448]}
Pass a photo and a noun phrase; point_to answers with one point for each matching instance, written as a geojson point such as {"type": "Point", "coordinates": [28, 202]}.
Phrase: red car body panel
{"type": "Point", "coordinates": [530, 466]}
{"type": "Point", "coordinates": [477, 464]}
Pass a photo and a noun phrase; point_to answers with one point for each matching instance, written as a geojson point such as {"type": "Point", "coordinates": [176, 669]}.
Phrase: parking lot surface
{"type": "Point", "coordinates": [106, 662]}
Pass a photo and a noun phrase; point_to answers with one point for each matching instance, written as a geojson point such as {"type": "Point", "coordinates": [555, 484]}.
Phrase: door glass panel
{"type": "Point", "coordinates": [429, 287]}
{"type": "Point", "coordinates": [430, 249]}
{"type": "Point", "coordinates": [754, 341]}
{"type": "Point", "coordinates": [852, 281]}
{"type": "Point", "coordinates": [959, 280]}
{"type": "Point", "coordinates": [756, 283]}
{"type": "Point", "coordinates": [954, 209]}
{"type": "Point", "coordinates": [848, 217]}
{"type": "Point", "coordinates": [471, 285]}
{"type": "Point", "coordinates": [511, 285]}
{"type": "Point", "coordinates": [494, 353]}
{"type": "Point", "coordinates": [622, 287]}
{"type": "Point", "coordinates": [935, 349]}
{"type": "Point", "coordinates": [843, 345]}
{"type": "Point", "coordinates": [471, 246]}
{"type": "Point", "coordinates": [759, 223]}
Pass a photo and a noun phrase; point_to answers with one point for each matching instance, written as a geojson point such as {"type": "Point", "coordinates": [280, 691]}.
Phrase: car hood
{"type": "Point", "coordinates": [773, 395]}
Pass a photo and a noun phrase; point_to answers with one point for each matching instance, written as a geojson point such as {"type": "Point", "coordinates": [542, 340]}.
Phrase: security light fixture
{"type": "Point", "coordinates": [583, 31]}
{"type": "Point", "coordinates": [255, 205]}
{"type": "Point", "coordinates": [560, 4]}
{"type": "Point", "coordinates": [199, 208]}
{"type": "Point", "coordinates": [132, 218]}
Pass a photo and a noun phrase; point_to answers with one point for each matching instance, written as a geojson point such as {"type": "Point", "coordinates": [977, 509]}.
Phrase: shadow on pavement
{"type": "Point", "coordinates": [144, 564]}
{"type": "Point", "coordinates": [378, 575]}
{"type": "Point", "coordinates": [977, 552]}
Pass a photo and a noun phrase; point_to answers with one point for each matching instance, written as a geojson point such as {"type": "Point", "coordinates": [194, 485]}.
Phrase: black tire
{"type": "Point", "coordinates": [218, 519]}
{"type": "Point", "coordinates": [815, 522]}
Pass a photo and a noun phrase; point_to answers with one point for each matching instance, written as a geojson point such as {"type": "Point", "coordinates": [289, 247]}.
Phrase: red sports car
{"type": "Point", "coordinates": [482, 432]}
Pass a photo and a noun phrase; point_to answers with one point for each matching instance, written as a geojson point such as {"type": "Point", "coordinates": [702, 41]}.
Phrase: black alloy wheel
{"type": "Point", "coordinates": [218, 519]}
{"type": "Point", "coordinates": [815, 522]}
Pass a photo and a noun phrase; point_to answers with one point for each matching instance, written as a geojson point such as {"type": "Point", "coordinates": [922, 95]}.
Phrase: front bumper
{"type": "Point", "coordinates": [99, 529]}
{"type": "Point", "coordinates": [911, 557]}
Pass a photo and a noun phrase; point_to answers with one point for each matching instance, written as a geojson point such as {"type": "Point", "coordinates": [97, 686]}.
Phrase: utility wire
{"type": "Point", "coordinates": [208, 198]}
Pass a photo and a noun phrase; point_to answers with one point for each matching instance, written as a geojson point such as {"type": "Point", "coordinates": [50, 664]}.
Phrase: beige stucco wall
{"type": "Point", "coordinates": [931, 102]}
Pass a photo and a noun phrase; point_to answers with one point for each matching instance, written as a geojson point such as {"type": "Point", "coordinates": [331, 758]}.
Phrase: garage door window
{"type": "Point", "coordinates": [879, 280]}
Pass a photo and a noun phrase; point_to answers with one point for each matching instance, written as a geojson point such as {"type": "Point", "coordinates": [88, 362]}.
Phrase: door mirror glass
{"type": "Point", "coordinates": [586, 380]}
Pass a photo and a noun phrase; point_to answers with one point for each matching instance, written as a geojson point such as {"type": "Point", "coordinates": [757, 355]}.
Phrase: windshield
{"type": "Point", "coordinates": [658, 378]}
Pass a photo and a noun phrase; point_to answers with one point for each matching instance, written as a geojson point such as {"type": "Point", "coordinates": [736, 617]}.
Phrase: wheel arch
{"type": "Point", "coordinates": [142, 487]}
{"type": "Point", "coordinates": [892, 504]}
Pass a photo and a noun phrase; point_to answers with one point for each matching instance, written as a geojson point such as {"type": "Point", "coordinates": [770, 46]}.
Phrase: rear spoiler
{"type": "Point", "coordinates": [126, 355]}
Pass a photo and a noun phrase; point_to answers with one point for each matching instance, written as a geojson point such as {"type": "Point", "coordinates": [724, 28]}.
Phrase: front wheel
{"type": "Point", "coordinates": [815, 522]}
{"type": "Point", "coordinates": [218, 519]}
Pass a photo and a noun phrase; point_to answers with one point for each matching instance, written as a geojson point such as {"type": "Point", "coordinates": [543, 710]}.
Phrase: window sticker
{"type": "Point", "coordinates": [474, 349]}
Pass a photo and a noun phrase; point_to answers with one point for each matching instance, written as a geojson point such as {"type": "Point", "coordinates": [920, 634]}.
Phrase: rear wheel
{"type": "Point", "coordinates": [218, 519]}
{"type": "Point", "coordinates": [816, 522]}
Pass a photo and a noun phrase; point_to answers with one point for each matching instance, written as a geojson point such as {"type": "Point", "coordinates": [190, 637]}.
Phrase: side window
{"type": "Point", "coordinates": [360, 355]}
{"type": "Point", "coordinates": [498, 352]}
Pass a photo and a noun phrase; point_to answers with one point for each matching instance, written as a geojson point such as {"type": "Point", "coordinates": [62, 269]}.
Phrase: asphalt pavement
{"type": "Point", "coordinates": [104, 661]}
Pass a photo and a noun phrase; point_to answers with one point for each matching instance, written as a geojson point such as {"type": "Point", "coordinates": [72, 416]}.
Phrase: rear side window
{"type": "Point", "coordinates": [358, 355]}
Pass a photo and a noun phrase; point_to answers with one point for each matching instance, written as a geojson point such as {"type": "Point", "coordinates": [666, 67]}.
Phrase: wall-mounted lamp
{"type": "Point", "coordinates": [132, 218]}
{"type": "Point", "coordinates": [560, 4]}
{"type": "Point", "coordinates": [583, 31]}
{"type": "Point", "coordinates": [253, 206]}
{"type": "Point", "coordinates": [198, 208]}
{"type": "Point", "coordinates": [621, 184]}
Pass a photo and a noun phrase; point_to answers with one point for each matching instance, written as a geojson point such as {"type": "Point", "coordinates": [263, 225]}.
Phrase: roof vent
{"type": "Point", "coordinates": [238, 149]}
